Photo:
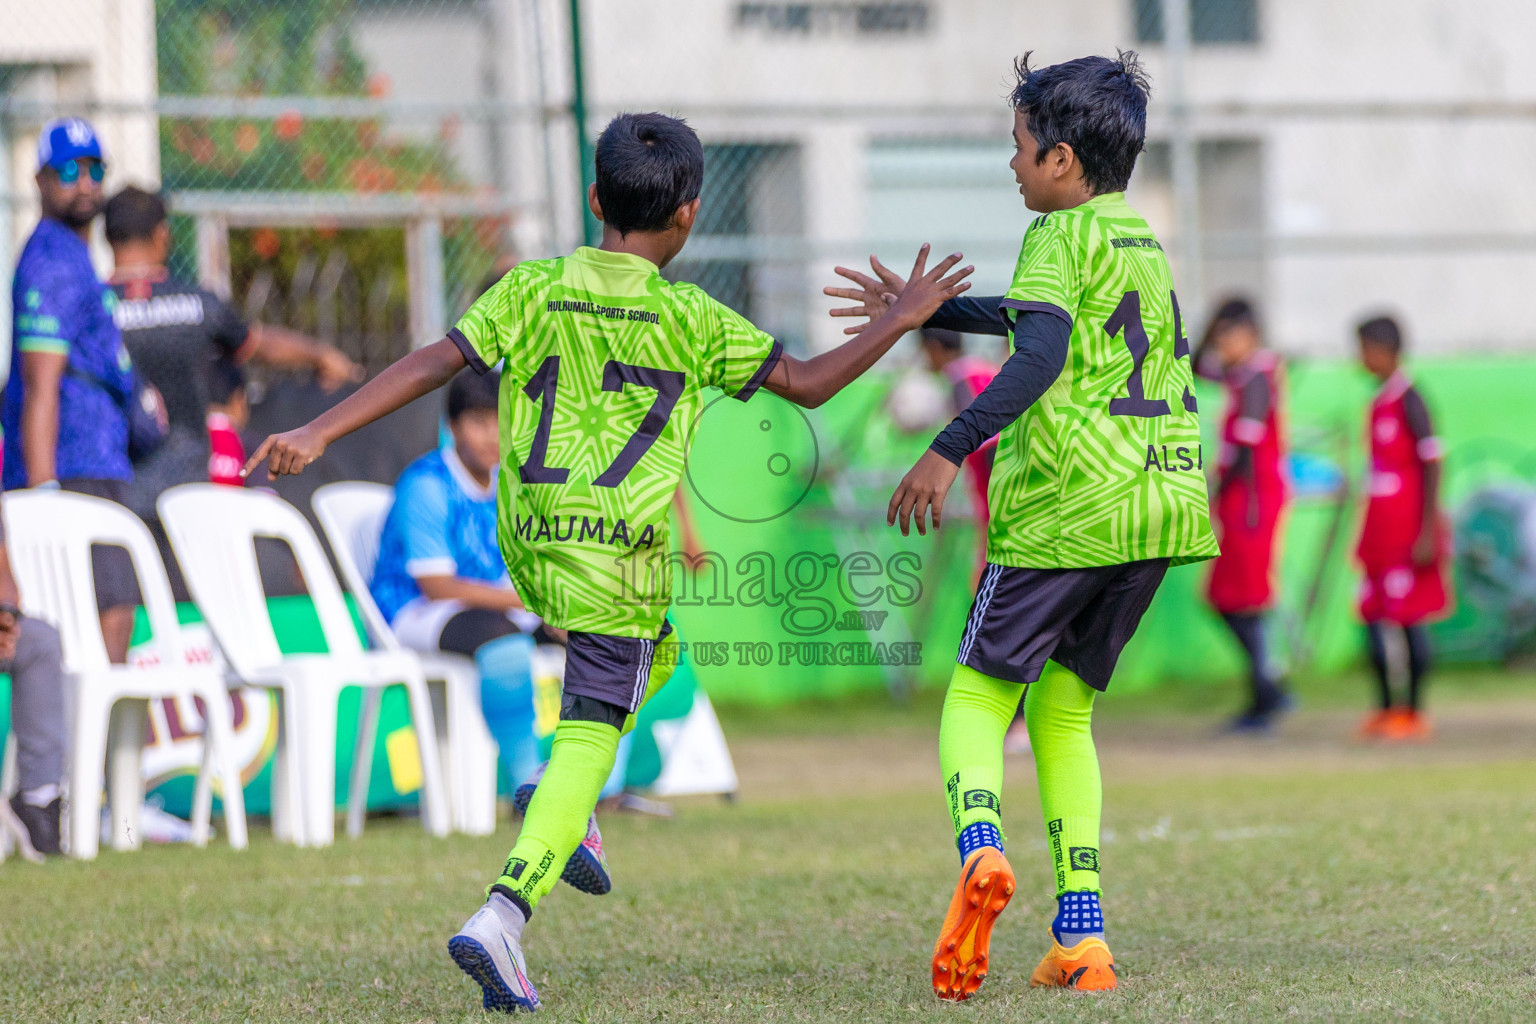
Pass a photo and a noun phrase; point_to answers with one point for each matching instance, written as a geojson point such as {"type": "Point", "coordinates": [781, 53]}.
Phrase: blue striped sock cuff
{"type": "Point", "coordinates": [976, 835]}
{"type": "Point", "coordinates": [1078, 916]}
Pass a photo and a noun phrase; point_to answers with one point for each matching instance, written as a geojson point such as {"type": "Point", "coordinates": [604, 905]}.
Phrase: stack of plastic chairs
{"type": "Point", "coordinates": [49, 535]}
{"type": "Point", "coordinates": [213, 530]}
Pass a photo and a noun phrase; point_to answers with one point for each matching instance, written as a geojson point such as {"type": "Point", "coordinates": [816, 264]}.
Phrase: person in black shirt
{"type": "Point", "coordinates": [176, 331]}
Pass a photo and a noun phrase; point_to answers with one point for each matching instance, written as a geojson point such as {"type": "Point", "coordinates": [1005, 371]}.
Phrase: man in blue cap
{"type": "Point", "coordinates": [64, 419]}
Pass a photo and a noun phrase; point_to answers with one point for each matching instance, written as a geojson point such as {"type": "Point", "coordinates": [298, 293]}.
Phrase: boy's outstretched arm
{"type": "Point", "coordinates": [400, 384]}
{"type": "Point", "coordinates": [810, 382]}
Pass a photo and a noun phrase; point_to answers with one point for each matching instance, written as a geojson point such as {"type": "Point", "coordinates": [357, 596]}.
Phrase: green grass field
{"type": "Point", "coordinates": [1299, 877]}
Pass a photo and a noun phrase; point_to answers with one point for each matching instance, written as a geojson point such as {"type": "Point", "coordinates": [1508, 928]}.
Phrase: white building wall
{"type": "Point", "coordinates": [83, 52]}
{"type": "Point", "coordinates": [1395, 165]}
{"type": "Point", "coordinates": [73, 54]}
{"type": "Point", "coordinates": [1395, 135]}
{"type": "Point", "coordinates": [1383, 185]}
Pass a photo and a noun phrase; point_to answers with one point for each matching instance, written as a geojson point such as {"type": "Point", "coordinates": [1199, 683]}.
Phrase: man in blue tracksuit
{"type": "Point", "coordinates": [64, 419]}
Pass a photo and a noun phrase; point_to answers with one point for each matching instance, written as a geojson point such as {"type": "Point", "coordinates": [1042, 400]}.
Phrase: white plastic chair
{"type": "Point", "coordinates": [352, 514]}
{"type": "Point", "coordinates": [10, 828]}
{"type": "Point", "coordinates": [213, 530]}
{"type": "Point", "coordinates": [50, 536]}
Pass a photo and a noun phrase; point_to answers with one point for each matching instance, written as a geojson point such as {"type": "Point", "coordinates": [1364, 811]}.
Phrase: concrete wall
{"type": "Point", "coordinates": [68, 55]}
{"type": "Point", "coordinates": [1362, 154]}
{"type": "Point", "coordinates": [75, 53]}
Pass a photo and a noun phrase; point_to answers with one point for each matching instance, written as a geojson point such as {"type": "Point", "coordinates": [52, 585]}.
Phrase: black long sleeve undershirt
{"type": "Point", "coordinates": [1039, 356]}
{"type": "Point", "coordinates": [971, 315]}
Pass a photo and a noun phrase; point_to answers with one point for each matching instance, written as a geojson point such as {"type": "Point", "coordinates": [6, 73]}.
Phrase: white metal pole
{"type": "Point", "coordinates": [213, 254]}
{"type": "Point", "coordinates": [552, 240]}
{"type": "Point", "coordinates": [424, 279]}
{"type": "Point", "coordinates": [1184, 157]}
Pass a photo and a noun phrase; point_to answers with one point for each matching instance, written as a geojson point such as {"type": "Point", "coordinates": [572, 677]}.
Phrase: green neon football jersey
{"type": "Point", "coordinates": [1106, 467]}
{"type": "Point", "coordinates": [605, 364]}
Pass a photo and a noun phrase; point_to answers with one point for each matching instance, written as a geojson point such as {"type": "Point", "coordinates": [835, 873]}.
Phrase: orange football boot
{"type": "Point", "coordinates": [1406, 725]}
{"type": "Point", "coordinates": [1087, 967]}
{"type": "Point", "coordinates": [960, 956]}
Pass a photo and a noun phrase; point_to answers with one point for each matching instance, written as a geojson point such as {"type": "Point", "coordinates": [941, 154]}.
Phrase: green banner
{"type": "Point", "coordinates": [843, 594]}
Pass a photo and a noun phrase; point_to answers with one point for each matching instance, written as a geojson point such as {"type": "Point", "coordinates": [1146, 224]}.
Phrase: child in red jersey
{"type": "Point", "coordinates": [1403, 542]}
{"type": "Point", "coordinates": [228, 413]}
{"type": "Point", "coordinates": [1250, 495]}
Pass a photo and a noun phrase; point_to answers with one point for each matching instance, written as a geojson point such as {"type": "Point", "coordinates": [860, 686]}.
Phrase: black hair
{"type": "Point", "coordinates": [133, 215]}
{"type": "Point", "coordinates": [1383, 331]}
{"type": "Point", "coordinates": [948, 340]}
{"type": "Point", "coordinates": [471, 390]}
{"type": "Point", "coordinates": [1096, 105]}
{"type": "Point", "coordinates": [225, 378]}
{"type": "Point", "coordinates": [1233, 312]}
{"type": "Point", "coordinates": [647, 166]}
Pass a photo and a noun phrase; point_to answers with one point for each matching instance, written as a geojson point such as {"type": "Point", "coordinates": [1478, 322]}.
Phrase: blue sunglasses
{"type": "Point", "coordinates": [70, 172]}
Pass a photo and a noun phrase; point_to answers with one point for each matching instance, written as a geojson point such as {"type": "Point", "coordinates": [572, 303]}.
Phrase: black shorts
{"type": "Point", "coordinates": [116, 583]}
{"type": "Point", "coordinates": [612, 669]}
{"type": "Point", "coordinates": [1079, 618]}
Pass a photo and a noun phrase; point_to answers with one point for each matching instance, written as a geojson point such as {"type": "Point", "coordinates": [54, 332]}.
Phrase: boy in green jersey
{"type": "Point", "coordinates": [604, 363]}
{"type": "Point", "coordinates": [1096, 490]}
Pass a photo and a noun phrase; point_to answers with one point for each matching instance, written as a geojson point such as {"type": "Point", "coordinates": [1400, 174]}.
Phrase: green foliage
{"type": "Point", "coordinates": [282, 48]}
{"type": "Point", "coordinates": [304, 48]}
{"type": "Point", "coordinates": [255, 47]}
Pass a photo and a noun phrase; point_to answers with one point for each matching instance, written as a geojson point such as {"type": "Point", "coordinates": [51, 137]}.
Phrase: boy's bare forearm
{"type": "Point", "coordinates": [1431, 493]}
{"type": "Point", "coordinates": [474, 593]}
{"type": "Point", "coordinates": [810, 382]}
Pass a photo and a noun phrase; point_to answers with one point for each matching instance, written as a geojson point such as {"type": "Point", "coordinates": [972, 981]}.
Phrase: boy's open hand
{"type": "Point", "coordinates": [287, 453]}
{"type": "Point", "coordinates": [926, 289]}
{"type": "Point", "coordinates": [912, 301]}
{"type": "Point", "coordinates": [873, 296]}
{"type": "Point", "coordinates": [924, 487]}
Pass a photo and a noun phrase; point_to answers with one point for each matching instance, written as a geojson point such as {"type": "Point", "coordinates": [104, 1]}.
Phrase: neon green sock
{"type": "Point", "coordinates": [579, 763]}
{"type": "Point", "coordinates": [977, 710]}
{"type": "Point", "coordinates": [1059, 712]}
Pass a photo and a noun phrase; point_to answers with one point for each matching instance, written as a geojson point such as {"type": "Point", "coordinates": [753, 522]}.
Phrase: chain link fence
{"type": "Point", "coordinates": [329, 202]}
{"type": "Point", "coordinates": [358, 168]}
{"type": "Point", "coordinates": [342, 168]}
